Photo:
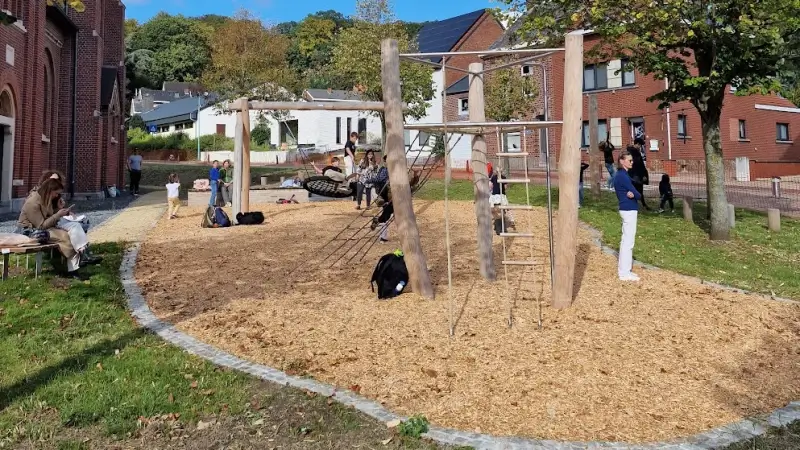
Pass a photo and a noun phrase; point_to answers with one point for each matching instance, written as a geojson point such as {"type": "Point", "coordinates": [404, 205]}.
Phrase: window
{"type": "Point", "coordinates": [682, 126]}
{"type": "Point", "coordinates": [407, 138]}
{"type": "Point", "coordinates": [602, 131]}
{"type": "Point", "coordinates": [221, 129]}
{"type": "Point", "coordinates": [595, 77]}
{"type": "Point", "coordinates": [362, 131]}
{"type": "Point", "coordinates": [628, 75]}
{"type": "Point", "coordinates": [349, 127]}
{"type": "Point", "coordinates": [783, 132]}
{"type": "Point", "coordinates": [183, 126]}
{"type": "Point", "coordinates": [163, 129]}
{"type": "Point", "coordinates": [526, 71]}
{"type": "Point", "coordinates": [338, 130]}
{"type": "Point", "coordinates": [424, 138]}
{"type": "Point", "coordinates": [46, 109]}
{"type": "Point", "coordinates": [15, 7]}
{"type": "Point", "coordinates": [742, 129]}
{"type": "Point", "coordinates": [463, 107]}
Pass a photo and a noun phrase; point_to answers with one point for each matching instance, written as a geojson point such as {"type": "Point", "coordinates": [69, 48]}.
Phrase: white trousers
{"type": "Point", "coordinates": [349, 166]}
{"type": "Point", "coordinates": [77, 237]}
{"type": "Point", "coordinates": [626, 243]}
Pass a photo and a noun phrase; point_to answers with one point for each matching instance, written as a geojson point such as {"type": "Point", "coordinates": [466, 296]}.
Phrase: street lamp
{"type": "Point", "coordinates": [196, 121]}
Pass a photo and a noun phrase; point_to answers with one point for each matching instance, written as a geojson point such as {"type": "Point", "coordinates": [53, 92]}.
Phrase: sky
{"type": "Point", "coordinates": [276, 11]}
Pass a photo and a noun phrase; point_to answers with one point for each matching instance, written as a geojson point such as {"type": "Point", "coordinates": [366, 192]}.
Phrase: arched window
{"type": "Point", "coordinates": [49, 96]}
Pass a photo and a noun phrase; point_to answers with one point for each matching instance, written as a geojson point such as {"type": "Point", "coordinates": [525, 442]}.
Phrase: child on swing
{"type": "Point", "coordinates": [334, 172]}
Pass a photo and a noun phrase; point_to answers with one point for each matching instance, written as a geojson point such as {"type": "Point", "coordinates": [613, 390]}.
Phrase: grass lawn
{"type": "Point", "coordinates": [79, 374]}
{"type": "Point", "coordinates": [754, 259]}
{"type": "Point", "coordinates": [156, 174]}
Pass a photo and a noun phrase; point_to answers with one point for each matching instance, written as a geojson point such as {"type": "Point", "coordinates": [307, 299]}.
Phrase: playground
{"type": "Point", "coordinates": [662, 359]}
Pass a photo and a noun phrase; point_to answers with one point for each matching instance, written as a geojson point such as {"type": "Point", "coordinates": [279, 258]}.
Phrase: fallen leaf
{"type": "Point", "coordinates": [356, 388]}
{"type": "Point", "coordinates": [430, 372]}
{"type": "Point", "coordinates": [393, 423]}
{"type": "Point", "coordinates": [171, 398]}
{"type": "Point", "coordinates": [208, 392]}
{"type": "Point", "coordinates": [100, 367]}
{"type": "Point", "coordinates": [193, 385]}
{"type": "Point", "coordinates": [258, 422]}
{"type": "Point", "coordinates": [203, 425]}
{"type": "Point", "coordinates": [386, 442]}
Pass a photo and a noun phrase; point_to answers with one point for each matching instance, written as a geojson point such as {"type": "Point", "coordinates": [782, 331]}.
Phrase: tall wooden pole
{"type": "Point", "coordinates": [404, 215]}
{"type": "Point", "coordinates": [238, 151]}
{"type": "Point", "coordinates": [480, 174]}
{"type": "Point", "coordinates": [568, 167]}
{"type": "Point", "coordinates": [595, 168]}
{"type": "Point", "coordinates": [245, 112]}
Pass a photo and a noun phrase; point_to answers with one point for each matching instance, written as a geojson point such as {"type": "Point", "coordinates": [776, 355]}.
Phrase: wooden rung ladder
{"type": "Point", "coordinates": [527, 235]}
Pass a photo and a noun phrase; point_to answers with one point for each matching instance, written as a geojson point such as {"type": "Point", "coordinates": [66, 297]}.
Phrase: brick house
{"type": "Point", "coordinates": [473, 31]}
{"type": "Point", "coordinates": [61, 85]}
{"type": "Point", "coordinates": [763, 128]}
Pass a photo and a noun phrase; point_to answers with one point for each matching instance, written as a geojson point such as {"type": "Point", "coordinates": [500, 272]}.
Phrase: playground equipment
{"type": "Point", "coordinates": [564, 253]}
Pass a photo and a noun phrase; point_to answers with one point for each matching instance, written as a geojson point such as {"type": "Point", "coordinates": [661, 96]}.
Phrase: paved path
{"type": "Point", "coordinates": [132, 223]}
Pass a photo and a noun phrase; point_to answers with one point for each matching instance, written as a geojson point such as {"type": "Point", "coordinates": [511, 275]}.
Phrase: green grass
{"type": "Point", "coordinates": [72, 349]}
{"type": "Point", "coordinates": [156, 175]}
{"type": "Point", "coordinates": [78, 373]}
{"type": "Point", "coordinates": [755, 258]}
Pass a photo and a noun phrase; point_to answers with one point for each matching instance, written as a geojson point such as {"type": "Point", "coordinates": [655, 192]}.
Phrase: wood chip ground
{"type": "Point", "coordinates": [661, 359]}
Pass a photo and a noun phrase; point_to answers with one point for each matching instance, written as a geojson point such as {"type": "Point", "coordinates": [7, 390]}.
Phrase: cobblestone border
{"type": "Point", "coordinates": [712, 439]}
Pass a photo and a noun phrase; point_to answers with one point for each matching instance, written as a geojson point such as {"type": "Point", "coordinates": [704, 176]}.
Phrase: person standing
{"type": "Point", "coordinates": [608, 155]}
{"type": "Point", "coordinates": [638, 174]}
{"type": "Point", "coordinates": [135, 171]}
{"type": "Point", "coordinates": [226, 181]}
{"type": "Point", "coordinates": [350, 162]}
{"type": "Point", "coordinates": [213, 182]}
{"type": "Point", "coordinates": [629, 211]}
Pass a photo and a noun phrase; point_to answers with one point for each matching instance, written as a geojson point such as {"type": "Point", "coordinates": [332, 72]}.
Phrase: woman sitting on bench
{"type": "Point", "coordinates": [38, 213]}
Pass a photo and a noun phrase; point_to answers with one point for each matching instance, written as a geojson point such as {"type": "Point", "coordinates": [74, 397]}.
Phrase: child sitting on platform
{"type": "Point", "coordinates": [334, 172]}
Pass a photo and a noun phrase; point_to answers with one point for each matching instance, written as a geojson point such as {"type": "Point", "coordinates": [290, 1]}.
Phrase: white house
{"type": "Point", "coordinates": [323, 129]}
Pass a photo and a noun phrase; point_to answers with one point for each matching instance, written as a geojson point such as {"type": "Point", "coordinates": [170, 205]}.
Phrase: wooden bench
{"type": "Point", "coordinates": [27, 250]}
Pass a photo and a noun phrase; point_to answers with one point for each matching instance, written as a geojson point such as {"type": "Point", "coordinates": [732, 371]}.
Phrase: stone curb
{"type": "Point", "coordinates": [712, 439]}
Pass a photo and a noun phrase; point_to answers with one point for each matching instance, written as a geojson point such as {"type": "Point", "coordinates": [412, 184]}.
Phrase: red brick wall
{"type": "Point", "coordinates": [768, 169]}
{"type": "Point", "coordinates": [485, 32]}
{"type": "Point", "coordinates": [628, 102]}
{"type": "Point", "coordinates": [26, 82]}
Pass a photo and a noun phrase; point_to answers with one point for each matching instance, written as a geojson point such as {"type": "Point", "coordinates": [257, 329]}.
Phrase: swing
{"type": "Point", "coordinates": [325, 187]}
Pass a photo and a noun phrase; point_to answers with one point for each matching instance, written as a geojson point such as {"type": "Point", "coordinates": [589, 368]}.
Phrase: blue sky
{"type": "Point", "coordinates": [275, 11]}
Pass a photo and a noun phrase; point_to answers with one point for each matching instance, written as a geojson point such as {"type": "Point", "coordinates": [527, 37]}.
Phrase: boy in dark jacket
{"type": "Point", "coordinates": [665, 189]}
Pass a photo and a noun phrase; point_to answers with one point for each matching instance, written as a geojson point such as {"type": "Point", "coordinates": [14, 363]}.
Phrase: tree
{"type": "Point", "coordinates": [249, 60]}
{"type": "Point", "coordinates": [509, 95]}
{"type": "Point", "coordinates": [313, 33]}
{"type": "Point", "coordinates": [178, 49]}
{"type": "Point", "coordinates": [261, 133]}
{"type": "Point", "coordinates": [131, 26]}
{"type": "Point", "coordinates": [136, 123]}
{"type": "Point", "coordinates": [357, 57]}
{"type": "Point", "coordinates": [699, 46]}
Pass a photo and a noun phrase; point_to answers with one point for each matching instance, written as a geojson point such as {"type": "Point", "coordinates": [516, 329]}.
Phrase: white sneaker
{"type": "Point", "coordinates": [629, 277]}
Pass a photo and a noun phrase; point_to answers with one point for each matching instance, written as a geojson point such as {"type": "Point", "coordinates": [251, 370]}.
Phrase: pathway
{"type": "Point", "coordinates": [132, 223]}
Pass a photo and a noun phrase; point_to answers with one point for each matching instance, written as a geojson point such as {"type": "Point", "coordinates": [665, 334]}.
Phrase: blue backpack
{"type": "Point", "coordinates": [221, 219]}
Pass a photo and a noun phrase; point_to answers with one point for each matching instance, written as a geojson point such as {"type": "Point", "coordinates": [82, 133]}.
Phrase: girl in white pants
{"type": "Point", "coordinates": [628, 197]}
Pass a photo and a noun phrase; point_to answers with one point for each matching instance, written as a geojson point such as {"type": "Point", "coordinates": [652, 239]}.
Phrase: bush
{"type": "Point", "coordinates": [136, 123]}
{"type": "Point", "coordinates": [261, 133]}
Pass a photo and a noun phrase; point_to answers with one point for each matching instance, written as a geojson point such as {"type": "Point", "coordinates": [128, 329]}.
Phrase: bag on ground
{"type": "Point", "coordinates": [221, 219]}
{"type": "Point", "coordinates": [250, 218]}
{"type": "Point", "coordinates": [390, 275]}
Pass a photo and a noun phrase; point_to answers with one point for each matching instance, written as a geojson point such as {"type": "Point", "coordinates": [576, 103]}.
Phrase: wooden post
{"type": "Point", "coordinates": [774, 219]}
{"type": "Point", "coordinates": [245, 155]}
{"type": "Point", "coordinates": [238, 152]}
{"type": "Point", "coordinates": [732, 215]}
{"type": "Point", "coordinates": [480, 175]}
{"type": "Point", "coordinates": [398, 172]}
{"type": "Point", "coordinates": [688, 205]}
{"type": "Point", "coordinates": [595, 166]}
{"type": "Point", "coordinates": [566, 245]}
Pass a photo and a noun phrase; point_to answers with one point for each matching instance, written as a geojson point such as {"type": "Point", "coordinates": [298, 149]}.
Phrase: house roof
{"type": "Point", "coordinates": [443, 35]}
{"type": "Point", "coordinates": [459, 87]}
{"type": "Point", "coordinates": [177, 111]}
{"type": "Point", "coordinates": [108, 79]}
{"type": "Point", "coordinates": [334, 94]}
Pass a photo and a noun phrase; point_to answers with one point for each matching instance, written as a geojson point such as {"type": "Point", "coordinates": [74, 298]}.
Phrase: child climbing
{"type": "Point", "coordinates": [498, 197]}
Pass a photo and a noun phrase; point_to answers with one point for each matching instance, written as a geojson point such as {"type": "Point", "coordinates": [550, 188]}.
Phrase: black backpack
{"type": "Point", "coordinates": [250, 218]}
{"type": "Point", "coordinates": [389, 273]}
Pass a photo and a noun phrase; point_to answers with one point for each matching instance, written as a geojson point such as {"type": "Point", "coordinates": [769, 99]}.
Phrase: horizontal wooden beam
{"type": "Point", "coordinates": [311, 106]}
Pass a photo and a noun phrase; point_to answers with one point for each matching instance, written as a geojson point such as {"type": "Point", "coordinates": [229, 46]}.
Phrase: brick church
{"type": "Point", "coordinates": [62, 87]}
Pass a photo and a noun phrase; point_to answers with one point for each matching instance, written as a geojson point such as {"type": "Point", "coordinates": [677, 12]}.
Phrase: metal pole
{"type": "Point", "coordinates": [197, 127]}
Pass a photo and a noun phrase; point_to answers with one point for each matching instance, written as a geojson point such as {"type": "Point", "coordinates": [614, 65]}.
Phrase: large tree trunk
{"type": "Point", "coordinates": [715, 178]}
